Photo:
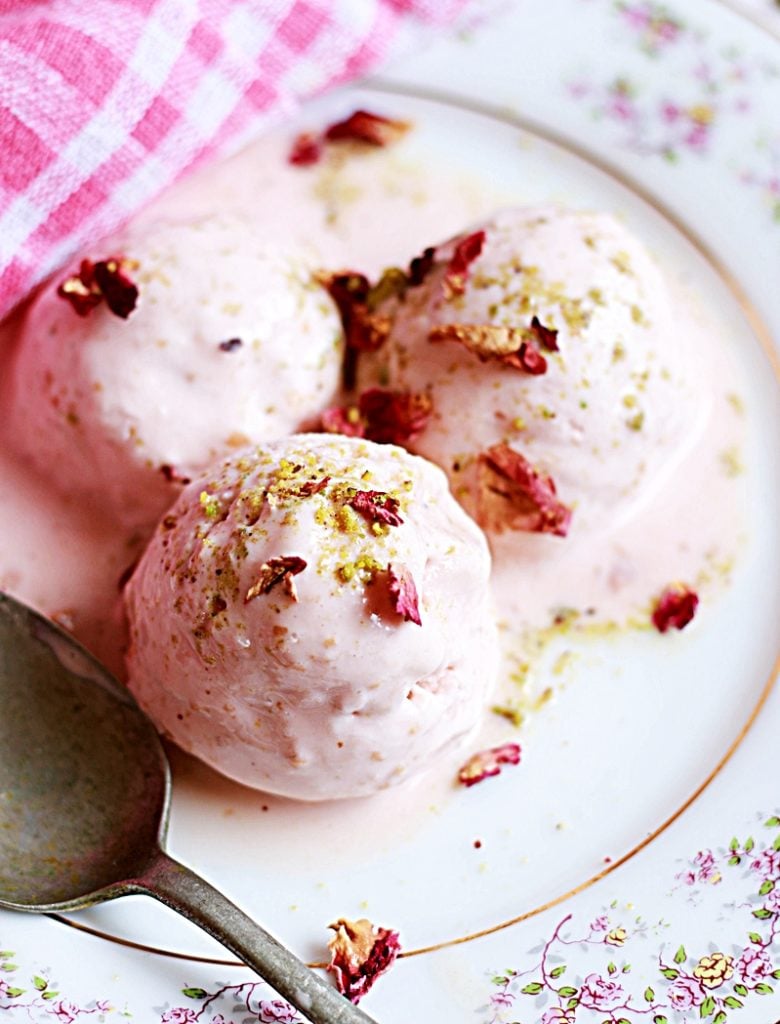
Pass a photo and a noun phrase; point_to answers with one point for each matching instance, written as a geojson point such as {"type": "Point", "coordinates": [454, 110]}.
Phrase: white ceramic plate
{"type": "Point", "coordinates": [626, 872]}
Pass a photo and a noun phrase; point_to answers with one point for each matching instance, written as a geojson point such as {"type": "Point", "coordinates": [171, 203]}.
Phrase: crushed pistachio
{"type": "Point", "coordinates": [636, 422]}
{"type": "Point", "coordinates": [731, 462]}
{"type": "Point", "coordinates": [736, 403]}
{"type": "Point", "coordinates": [210, 504]}
{"type": "Point", "coordinates": [622, 261]}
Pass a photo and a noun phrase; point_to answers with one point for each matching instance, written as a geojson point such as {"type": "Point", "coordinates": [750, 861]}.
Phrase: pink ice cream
{"type": "Point", "coordinates": [545, 337]}
{"type": "Point", "coordinates": [231, 341]}
{"type": "Point", "coordinates": [312, 618]}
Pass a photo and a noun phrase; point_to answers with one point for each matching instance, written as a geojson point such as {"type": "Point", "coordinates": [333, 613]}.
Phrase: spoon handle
{"type": "Point", "coordinates": [187, 893]}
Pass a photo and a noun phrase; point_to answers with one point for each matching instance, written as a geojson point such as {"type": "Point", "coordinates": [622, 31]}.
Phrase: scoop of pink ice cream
{"type": "Point", "coordinates": [312, 618]}
{"type": "Point", "coordinates": [545, 339]}
{"type": "Point", "coordinates": [230, 341]}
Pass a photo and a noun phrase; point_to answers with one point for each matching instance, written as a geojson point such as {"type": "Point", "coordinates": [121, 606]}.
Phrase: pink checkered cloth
{"type": "Point", "coordinates": [103, 103]}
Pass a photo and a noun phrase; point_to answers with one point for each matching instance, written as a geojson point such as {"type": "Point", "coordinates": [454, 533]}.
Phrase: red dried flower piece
{"type": "Point", "coordinates": [513, 495]}
{"type": "Point", "coordinates": [275, 571]}
{"type": "Point", "coordinates": [363, 126]}
{"type": "Point", "coordinates": [466, 251]}
{"type": "Point", "coordinates": [80, 290]}
{"type": "Point", "coordinates": [386, 417]}
{"type": "Point", "coordinates": [343, 419]}
{"type": "Point", "coordinates": [512, 346]}
{"type": "Point", "coordinates": [173, 476]}
{"type": "Point", "coordinates": [529, 359]}
{"type": "Point", "coordinates": [364, 330]}
{"type": "Point", "coordinates": [312, 487]}
{"type": "Point", "coordinates": [346, 288]}
{"type": "Point", "coordinates": [231, 345]}
{"type": "Point", "coordinates": [404, 593]}
{"type": "Point", "coordinates": [488, 763]}
{"type": "Point", "coordinates": [675, 607]}
{"type": "Point", "coordinates": [306, 150]}
{"type": "Point", "coordinates": [105, 280]}
{"type": "Point", "coordinates": [394, 417]}
{"type": "Point", "coordinates": [421, 266]}
{"type": "Point", "coordinates": [120, 293]}
{"type": "Point", "coordinates": [546, 336]}
{"type": "Point", "coordinates": [377, 507]}
{"type": "Point", "coordinates": [360, 953]}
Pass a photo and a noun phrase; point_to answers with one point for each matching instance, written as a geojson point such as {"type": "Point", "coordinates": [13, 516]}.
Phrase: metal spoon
{"type": "Point", "coordinates": [84, 798]}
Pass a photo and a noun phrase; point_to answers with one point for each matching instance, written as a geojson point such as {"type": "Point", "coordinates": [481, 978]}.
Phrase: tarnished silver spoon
{"type": "Point", "coordinates": [84, 797]}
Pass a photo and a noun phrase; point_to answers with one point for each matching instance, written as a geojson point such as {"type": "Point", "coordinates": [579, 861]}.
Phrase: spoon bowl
{"type": "Point", "coordinates": [84, 799]}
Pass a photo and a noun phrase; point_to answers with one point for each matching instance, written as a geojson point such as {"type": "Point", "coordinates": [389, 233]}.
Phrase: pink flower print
{"type": "Point", "coordinates": [179, 1015]}
{"type": "Point", "coordinates": [754, 966]}
{"type": "Point", "coordinates": [502, 999]}
{"type": "Point", "coordinates": [3, 988]}
{"type": "Point", "coordinates": [685, 993]}
{"type": "Point", "coordinates": [276, 1011]}
{"type": "Point", "coordinates": [697, 136]}
{"type": "Point", "coordinates": [621, 106]}
{"type": "Point", "coordinates": [557, 1015]}
{"type": "Point", "coordinates": [704, 869]}
{"type": "Point", "coordinates": [670, 112]}
{"type": "Point", "coordinates": [667, 30]}
{"type": "Point", "coordinates": [599, 993]}
{"type": "Point", "coordinates": [601, 924]}
{"type": "Point", "coordinates": [65, 1012]}
{"type": "Point", "coordinates": [767, 864]}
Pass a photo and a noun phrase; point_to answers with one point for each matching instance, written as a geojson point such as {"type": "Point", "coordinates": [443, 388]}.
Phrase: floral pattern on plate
{"type": "Point", "coordinates": [668, 985]}
{"type": "Point", "coordinates": [691, 111]}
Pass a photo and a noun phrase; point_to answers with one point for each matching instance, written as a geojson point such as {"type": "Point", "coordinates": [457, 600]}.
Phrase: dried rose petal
{"type": "Point", "coordinates": [312, 487]}
{"type": "Point", "coordinates": [274, 571]}
{"type": "Point", "coordinates": [363, 126]}
{"type": "Point", "coordinates": [421, 266]}
{"type": "Point", "coordinates": [487, 763]}
{"type": "Point", "coordinates": [513, 495]}
{"type": "Point", "coordinates": [404, 593]}
{"type": "Point", "coordinates": [675, 607]}
{"type": "Point", "coordinates": [80, 290]}
{"type": "Point", "coordinates": [546, 336]}
{"type": "Point", "coordinates": [305, 150]}
{"type": "Point", "coordinates": [360, 953]}
{"type": "Point", "coordinates": [347, 288]}
{"type": "Point", "coordinates": [513, 346]}
{"type": "Point", "coordinates": [173, 476]}
{"type": "Point", "coordinates": [231, 345]}
{"type": "Point", "coordinates": [394, 417]}
{"type": "Point", "coordinates": [343, 419]}
{"type": "Point", "coordinates": [105, 280]}
{"type": "Point", "coordinates": [377, 507]}
{"type": "Point", "coordinates": [466, 251]}
{"type": "Point", "coordinates": [119, 291]}
{"type": "Point", "coordinates": [529, 359]}
{"type": "Point", "coordinates": [364, 330]}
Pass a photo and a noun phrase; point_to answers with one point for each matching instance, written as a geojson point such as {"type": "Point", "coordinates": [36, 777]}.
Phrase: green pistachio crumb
{"type": "Point", "coordinates": [209, 504]}
{"type": "Point", "coordinates": [636, 422]}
